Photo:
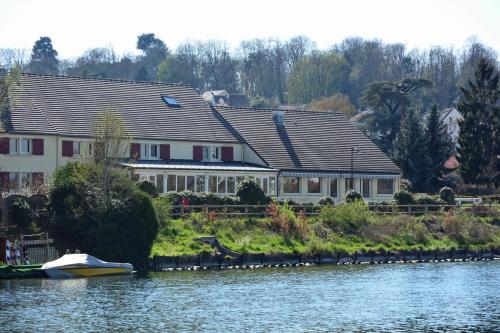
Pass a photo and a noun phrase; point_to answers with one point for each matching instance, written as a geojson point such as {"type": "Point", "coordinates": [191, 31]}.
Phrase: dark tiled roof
{"type": "Point", "coordinates": [66, 106]}
{"type": "Point", "coordinates": [308, 140]}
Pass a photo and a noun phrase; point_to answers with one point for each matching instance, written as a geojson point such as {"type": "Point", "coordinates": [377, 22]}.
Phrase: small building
{"type": "Point", "coordinates": [179, 142]}
{"type": "Point", "coordinates": [450, 117]}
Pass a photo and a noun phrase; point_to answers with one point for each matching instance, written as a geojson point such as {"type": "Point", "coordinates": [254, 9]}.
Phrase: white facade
{"type": "Point", "coordinates": [450, 118]}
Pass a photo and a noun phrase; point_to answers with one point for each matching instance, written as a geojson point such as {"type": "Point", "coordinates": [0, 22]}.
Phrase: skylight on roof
{"type": "Point", "coordinates": [171, 101]}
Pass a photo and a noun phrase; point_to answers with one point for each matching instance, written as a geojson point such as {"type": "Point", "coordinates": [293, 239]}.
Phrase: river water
{"type": "Point", "coordinates": [431, 297]}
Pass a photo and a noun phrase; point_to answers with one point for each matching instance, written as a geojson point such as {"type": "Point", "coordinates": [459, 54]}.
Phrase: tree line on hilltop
{"type": "Point", "coordinates": [398, 93]}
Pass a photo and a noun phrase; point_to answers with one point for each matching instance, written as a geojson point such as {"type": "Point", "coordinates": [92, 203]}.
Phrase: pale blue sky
{"type": "Point", "coordinates": [75, 26]}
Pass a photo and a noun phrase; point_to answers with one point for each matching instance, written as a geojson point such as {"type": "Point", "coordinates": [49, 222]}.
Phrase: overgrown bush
{"type": "Point", "coordinates": [114, 221]}
{"type": "Point", "coordinates": [404, 198]}
{"type": "Point", "coordinates": [353, 196]}
{"type": "Point", "coordinates": [204, 198]}
{"type": "Point", "coordinates": [447, 195]}
{"type": "Point", "coordinates": [249, 192]}
{"type": "Point", "coordinates": [284, 221]}
{"type": "Point", "coordinates": [148, 187]}
{"type": "Point", "coordinates": [346, 218]}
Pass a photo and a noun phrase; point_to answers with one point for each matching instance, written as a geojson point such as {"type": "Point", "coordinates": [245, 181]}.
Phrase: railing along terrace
{"type": "Point", "coordinates": [256, 211]}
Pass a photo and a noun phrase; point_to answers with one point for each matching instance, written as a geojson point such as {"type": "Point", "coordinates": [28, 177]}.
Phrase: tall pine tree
{"type": "Point", "coordinates": [479, 138]}
{"type": "Point", "coordinates": [410, 152]}
{"type": "Point", "coordinates": [439, 148]}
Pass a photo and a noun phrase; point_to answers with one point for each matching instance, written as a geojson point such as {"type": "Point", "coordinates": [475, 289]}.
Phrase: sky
{"type": "Point", "coordinates": [75, 26]}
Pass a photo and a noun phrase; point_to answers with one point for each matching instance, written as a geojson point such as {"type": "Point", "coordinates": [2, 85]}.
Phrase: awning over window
{"type": "Point", "coordinates": [338, 174]}
{"type": "Point", "coordinates": [194, 165]}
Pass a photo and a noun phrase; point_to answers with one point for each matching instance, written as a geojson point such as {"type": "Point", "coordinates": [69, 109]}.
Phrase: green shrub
{"type": "Point", "coordinates": [447, 195]}
{"type": "Point", "coordinates": [249, 192]}
{"type": "Point", "coordinates": [114, 223]}
{"type": "Point", "coordinates": [148, 187]}
{"type": "Point", "coordinates": [204, 198]}
{"type": "Point", "coordinates": [405, 185]}
{"type": "Point", "coordinates": [326, 201]}
{"type": "Point", "coordinates": [404, 198]}
{"type": "Point", "coordinates": [346, 218]}
{"type": "Point", "coordinates": [353, 196]}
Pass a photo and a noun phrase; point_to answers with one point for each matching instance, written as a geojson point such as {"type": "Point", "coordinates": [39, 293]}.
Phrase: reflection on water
{"type": "Point", "coordinates": [429, 297]}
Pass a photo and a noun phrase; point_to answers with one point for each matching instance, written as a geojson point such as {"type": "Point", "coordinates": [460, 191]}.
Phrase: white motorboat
{"type": "Point", "coordinates": [84, 265]}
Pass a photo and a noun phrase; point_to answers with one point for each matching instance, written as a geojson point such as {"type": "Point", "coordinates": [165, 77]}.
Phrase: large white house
{"type": "Point", "coordinates": [180, 142]}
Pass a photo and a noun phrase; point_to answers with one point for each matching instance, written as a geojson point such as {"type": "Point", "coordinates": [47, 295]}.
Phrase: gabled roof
{"type": "Point", "coordinates": [308, 140]}
{"type": "Point", "coordinates": [67, 105]}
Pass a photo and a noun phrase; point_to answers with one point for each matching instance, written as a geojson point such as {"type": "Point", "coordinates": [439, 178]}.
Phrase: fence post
{"type": "Point", "coordinates": [47, 245]}
{"type": "Point", "coordinates": [205, 209]}
{"type": "Point", "coordinates": [376, 207]}
{"type": "Point", "coordinates": [393, 209]}
{"type": "Point", "coordinates": [225, 211]}
{"type": "Point", "coordinates": [246, 211]}
{"type": "Point", "coordinates": [426, 209]}
{"type": "Point", "coordinates": [409, 209]}
{"type": "Point", "coordinates": [182, 211]}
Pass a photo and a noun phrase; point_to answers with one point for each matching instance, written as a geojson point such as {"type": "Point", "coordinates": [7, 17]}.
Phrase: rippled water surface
{"type": "Point", "coordinates": [411, 297]}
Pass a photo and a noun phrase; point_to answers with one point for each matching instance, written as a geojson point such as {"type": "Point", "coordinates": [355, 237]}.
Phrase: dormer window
{"type": "Point", "coordinates": [150, 151]}
{"type": "Point", "coordinates": [171, 101]}
{"type": "Point", "coordinates": [211, 153]}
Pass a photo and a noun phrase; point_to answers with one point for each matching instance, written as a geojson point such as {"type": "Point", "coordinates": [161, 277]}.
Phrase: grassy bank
{"type": "Point", "coordinates": [347, 228]}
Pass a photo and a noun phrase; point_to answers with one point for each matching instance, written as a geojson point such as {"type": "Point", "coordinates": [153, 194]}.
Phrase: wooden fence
{"type": "Point", "coordinates": [39, 250]}
{"type": "Point", "coordinates": [247, 211]}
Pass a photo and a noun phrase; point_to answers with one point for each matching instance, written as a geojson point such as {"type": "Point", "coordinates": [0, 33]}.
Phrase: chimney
{"type": "Point", "coordinates": [278, 117]}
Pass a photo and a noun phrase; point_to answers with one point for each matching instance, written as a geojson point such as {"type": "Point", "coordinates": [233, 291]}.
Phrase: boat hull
{"type": "Point", "coordinates": [75, 272]}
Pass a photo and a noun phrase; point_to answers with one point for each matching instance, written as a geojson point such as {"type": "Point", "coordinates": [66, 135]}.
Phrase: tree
{"type": "Point", "coordinates": [389, 100]}
{"type": "Point", "coordinates": [7, 82]}
{"type": "Point", "coordinates": [44, 57]}
{"type": "Point", "coordinates": [479, 138]}
{"type": "Point", "coordinates": [122, 228]}
{"type": "Point", "coordinates": [317, 75]}
{"type": "Point", "coordinates": [439, 147]}
{"type": "Point", "coordinates": [155, 51]}
{"type": "Point", "coordinates": [249, 192]}
{"type": "Point", "coordinates": [410, 152]}
{"type": "Point", "coordinates": [335, 102]}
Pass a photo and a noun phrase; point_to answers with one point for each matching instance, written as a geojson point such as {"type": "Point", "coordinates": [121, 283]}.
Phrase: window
{"type": "Point", "coordinates": [313, 185]}
{"type": "Point", "coordinates": [154, 151]}
{"type": "Point", "coordinates": [159, 183]}
{"type": "Point", "coordinates": [13, 181]}
{"type": "Point", "coordinates": [290, 184]}
{"type": "Point", "coordinates": [150, 151]}
{"type": "Point", "coordinates": [212, 184]}
{"type": "Point", "coordinates": [13, 146]}
{"type": "Point", "coordinates": [171, 101]}
{"type": "Point", "coordinates": [334, 188]}
{"type": "Point", "coordinates": [181, 183]}
{"type": "Point", "coordinates": [25, 146]}
{"type": "Point", "coordinates": [385, 186]}
{"type": "Point", "coordinates": [272, 185]}
{"type": "Point", "coordinates": [200, 183]}
{"type": "Point", "coordinates": [231, 185]}
{"type": "Point", "coordinates": [221, 184]}
{"type": "Point", "coordinates": [26, 178]}
{"type": "Point", "coordinates": [366, 188]}
{"type": "Point", "coordinates": [211, 153]}
{"type": "Point", "coordinates": [349, 184]}
{"type": "Point", "coordinates": [190, 183]}
{"type": "Point", "coordinates": [77, 148]}
{"type": "Point", "coordinates": [171, 183]}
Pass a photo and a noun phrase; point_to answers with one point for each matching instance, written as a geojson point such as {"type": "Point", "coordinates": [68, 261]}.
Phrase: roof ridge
{"type": "Point", "coordinates": [277, 109]}
{"type": "Point", "coordinates": [89, 78]}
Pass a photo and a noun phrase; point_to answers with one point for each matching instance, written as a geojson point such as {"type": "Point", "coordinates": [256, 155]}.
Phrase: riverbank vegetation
{"type": "Point", "coordinates": [344, 227]}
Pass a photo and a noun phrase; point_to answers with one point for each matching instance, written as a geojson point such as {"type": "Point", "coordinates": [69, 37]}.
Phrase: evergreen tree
{"type": "Point", "coordinates": [410, 152]}
{"type": "Point", "coordinates": [439, 148]}
{"type": "Point", "coordinates": [44, 57]}
{"type": "Point", "coordinates": [479, 139]}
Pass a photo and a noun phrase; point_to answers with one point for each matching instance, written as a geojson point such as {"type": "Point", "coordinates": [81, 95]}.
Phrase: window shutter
{"type": "Point", "coordinates": [227, 154]}
{"type": "Point", "coordinates": [135, 151]}
{"type": "Point", "coordinates": [67, 148]}
{"type": "Point", "coordinates": [4, 145]}
{"type": "Point", "coordinates": [37, 146]}
{"type": "Point", "coordinates": [197, 153]}
{"type": "Point", "coordinates": [4, 181]}
{"type": "Point", "coordinates": [165, 152]}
